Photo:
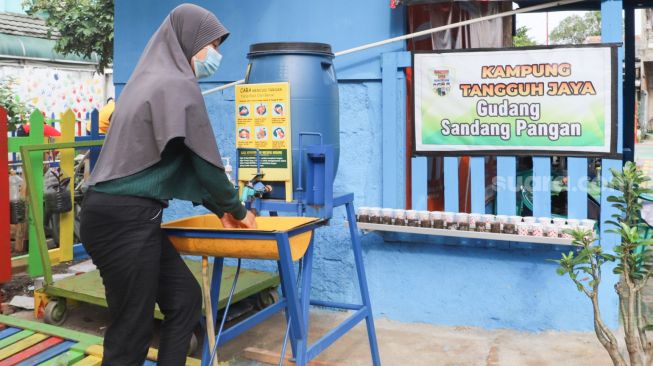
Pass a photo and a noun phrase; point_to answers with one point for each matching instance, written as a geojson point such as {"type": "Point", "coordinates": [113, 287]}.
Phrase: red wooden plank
{"type": "Point", "coordinates": [29, 352]}
{"type": "Point", "coordinates": [2, 326]}
{"type": "Point", "coordinates": [5, 244]}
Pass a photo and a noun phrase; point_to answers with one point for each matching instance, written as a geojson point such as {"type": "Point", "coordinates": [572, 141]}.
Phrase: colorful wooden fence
{"type": "Point", "coordinates": [68, 125]}
{"type": "Point", "coordinates": [28, 343]}
{"type": "Point", "coordinates": [92, 136]}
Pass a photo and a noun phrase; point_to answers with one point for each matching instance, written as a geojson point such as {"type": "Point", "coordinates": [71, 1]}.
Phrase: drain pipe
{"type": "Point", "coordinates": [425, 32]}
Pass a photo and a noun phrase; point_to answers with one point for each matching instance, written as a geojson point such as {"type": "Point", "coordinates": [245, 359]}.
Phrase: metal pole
{"type": "Point", "coordinates": [629, 84]}
{"type": "Point", "coordinates": [547, 28]}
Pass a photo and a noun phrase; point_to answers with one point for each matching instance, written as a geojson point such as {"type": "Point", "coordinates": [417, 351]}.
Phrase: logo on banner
{"type": "Point", "coordinates": [441, 82]}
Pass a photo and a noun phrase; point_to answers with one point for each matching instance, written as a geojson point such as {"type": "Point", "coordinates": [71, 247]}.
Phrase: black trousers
{"type": "Point", "coordinates": [139, 267]}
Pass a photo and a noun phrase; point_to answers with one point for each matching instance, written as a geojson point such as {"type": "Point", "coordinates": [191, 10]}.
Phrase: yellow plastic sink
{"type": "Point", "coordinates": [240, 248]}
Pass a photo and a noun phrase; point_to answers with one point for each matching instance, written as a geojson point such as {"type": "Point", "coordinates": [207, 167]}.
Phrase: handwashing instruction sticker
{"type": "Point", "coordinates": [243, 110]}
{"type": "Point", "coordinates": [261, 110]}
{"type": "Point", "coordinates": [278, 109]}
{"type": "Point", "coordinates": [244, 133]}
{"type": "Point", "coordinates": [279, 133]}
{"type": "Point", "coordinates": [263, 123]}
{"type": "Point", "coordinates": [262, 134]}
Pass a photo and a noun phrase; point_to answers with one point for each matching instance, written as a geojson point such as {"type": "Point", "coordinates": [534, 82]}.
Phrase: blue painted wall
{"type": "Point", "coordinates": [417, 281]}
{"type": "Point", "coordinates": [251, 21]}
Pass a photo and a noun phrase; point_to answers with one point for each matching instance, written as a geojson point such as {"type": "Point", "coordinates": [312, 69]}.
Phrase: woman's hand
{"type": "Point", "coordinates": [249, 222]}
{"type": "Point", "coordinates": [229, 222]}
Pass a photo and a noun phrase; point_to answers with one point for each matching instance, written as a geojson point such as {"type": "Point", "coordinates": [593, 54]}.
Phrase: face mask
{"type": "Point", "coordinates": [209, 66]}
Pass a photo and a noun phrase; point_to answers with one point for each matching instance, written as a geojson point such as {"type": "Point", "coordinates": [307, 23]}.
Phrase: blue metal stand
{"type": "Point", "coordinates": [317, 200]}
{"type": "Point", "coordinates": [296, 300]}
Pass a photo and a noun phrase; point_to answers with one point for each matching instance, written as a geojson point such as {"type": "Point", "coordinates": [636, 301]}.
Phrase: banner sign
{"type": "Point", "coordinates": [263, 123]}
{"type": "Point", "coordinates": [534, 101]}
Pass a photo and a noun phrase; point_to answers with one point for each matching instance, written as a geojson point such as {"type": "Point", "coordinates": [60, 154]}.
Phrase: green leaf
{"type": "Point", "coordinates": [84, 26]}
{"type": "Point", "coordinates": [576, 29]}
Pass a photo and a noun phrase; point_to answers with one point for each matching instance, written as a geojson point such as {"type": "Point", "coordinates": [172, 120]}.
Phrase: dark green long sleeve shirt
{"type": "Point", "coordinates": [181, 174]}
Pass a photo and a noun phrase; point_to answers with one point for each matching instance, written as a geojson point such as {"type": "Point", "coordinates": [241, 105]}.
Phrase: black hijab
{"type": "Point", "coordinates": [162, 99]}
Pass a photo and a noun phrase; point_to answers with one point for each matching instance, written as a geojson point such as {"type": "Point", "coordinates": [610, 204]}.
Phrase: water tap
{"type": "Point", "coordinates": [255, 188]}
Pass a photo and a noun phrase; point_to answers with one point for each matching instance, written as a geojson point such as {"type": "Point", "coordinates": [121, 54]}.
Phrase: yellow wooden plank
{"type": "Point", "coordinates": [89, 361]}
{"type": "Point", "coordinates": [21, 345]}
{"type": "Point", "coordinates": [152, 354]}
{"type": "Point", "coordinates": [5, 342]}
{"type": "Point", "coordinates": [193, 362]}
{"type": "Point", "coordinates": [67, 165]}
{"type": "Point", "coordinates": [21, 261]}
{"type": "Point", "coordinates": [97, 350]}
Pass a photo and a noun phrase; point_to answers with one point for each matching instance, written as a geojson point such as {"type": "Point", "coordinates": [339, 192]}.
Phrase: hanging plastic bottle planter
{"type": "Point", "coordinates": [57, 195]}
{"type": "Point", "coordinates": [16, 203]}
{"type": "Point", "coordinates": [16, 212]}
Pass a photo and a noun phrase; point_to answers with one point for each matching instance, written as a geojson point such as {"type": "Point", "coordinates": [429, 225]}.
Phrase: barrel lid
{"type": "Point", "coordinates": [290, 47]}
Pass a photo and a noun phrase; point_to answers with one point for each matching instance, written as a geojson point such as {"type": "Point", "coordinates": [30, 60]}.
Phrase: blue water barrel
{"type": "Point", "coordinates": [308, 67]}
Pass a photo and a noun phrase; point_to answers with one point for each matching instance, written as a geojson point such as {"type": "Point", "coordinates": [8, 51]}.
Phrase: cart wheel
{"type": "Point", "coordinates": [55, 312]}
{"type": "Point", "coordinates": [266, 298]}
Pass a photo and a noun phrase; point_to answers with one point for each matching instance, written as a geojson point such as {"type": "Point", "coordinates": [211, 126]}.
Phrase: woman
{"type": "Point", "coordinates": [160, 146]}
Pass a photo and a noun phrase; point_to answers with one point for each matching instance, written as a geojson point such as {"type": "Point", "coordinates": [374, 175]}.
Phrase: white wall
{"type": "Point", "coordinates": [54, 89]}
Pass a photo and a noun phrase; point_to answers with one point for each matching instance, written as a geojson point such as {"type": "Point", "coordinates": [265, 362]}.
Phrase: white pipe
{"type": "Point", "coordinates": [222, 87]}
{"type": "Point", "coordinates": [49, 60]}
{"type": "Point", "coordinates": [425, 32]}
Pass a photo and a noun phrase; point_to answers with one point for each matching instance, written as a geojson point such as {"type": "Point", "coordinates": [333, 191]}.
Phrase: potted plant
{"type": "Point", "coordinates": [17, 111]}
{"type": "Point", "coordinates": [634, 264]}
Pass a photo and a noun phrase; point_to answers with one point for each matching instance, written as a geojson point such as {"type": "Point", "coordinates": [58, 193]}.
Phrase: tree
{"type": "Point", "coordinates": [521, 38]}
{"type": "Point", "coordinates": [634, 265]}
{"type": "Point", "coordinates": [576, 29]}
{"type": "Point", "coordinates": [17, 110]}
{"type": "Point", "coordinates": [85, 26]}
